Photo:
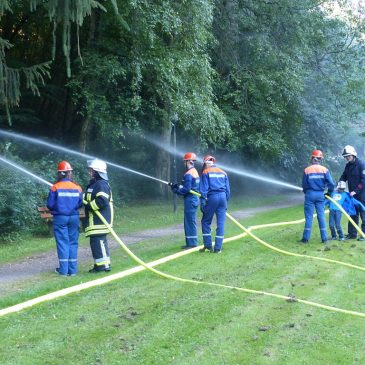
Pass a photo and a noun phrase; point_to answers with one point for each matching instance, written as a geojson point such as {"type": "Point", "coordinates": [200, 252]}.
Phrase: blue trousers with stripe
{"type": "Point", "coordinates": [191, 203]}
{"type": "Point", "coordinates": [216, 204]}
{"type": "Point", "coordinates": [66, 232]}
{"type": "Point", "coordinates": [314, 200]}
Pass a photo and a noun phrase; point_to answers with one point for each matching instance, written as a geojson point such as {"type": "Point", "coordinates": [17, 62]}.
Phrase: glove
{"type": "Point", "coordinates": [326, 195]}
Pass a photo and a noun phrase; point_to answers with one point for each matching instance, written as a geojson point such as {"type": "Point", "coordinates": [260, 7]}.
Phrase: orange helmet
{"type": "Point", "coordinates": [64, 166]}
{"type": "Point", "coordinates": [189, 156]}
{"type": "Point", "coordinates": [209, 158]}
{"type": "Point", "coordinates": [317, 154]}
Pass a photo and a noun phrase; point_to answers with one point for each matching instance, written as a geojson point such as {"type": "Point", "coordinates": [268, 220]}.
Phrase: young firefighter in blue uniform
{"type": "Point", "coordinates": [316, 179]}
{"type": "Point", "coordinates": [191, 202]}
{"type": "Point", "coordinates": [354, 174]}
{"type": "Point", "coordinates": [341, 197]}
{"type": "Point", "coordinates": [215, 191]}
{"type": "Point", "coordinates": [98, 197]}
{"type": "Point", "coordinates": [348, 203]}
{"type": "Point", "coordinates": [64, 201]}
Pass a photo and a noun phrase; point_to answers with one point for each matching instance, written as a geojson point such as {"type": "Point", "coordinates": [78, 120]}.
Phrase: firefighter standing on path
{"type": "Point", "coordinates": [215, 191]}
{"type": "Point", "coordinates": [64, 201]}
{"type": "Point", "coordinates": [191, 202]}
{"type": "Point", "coordinates": [316, 179]}
{"type": "Point", "coordinates": [98, 197]}
{"type": "Point", "coordinates": [354, 174]}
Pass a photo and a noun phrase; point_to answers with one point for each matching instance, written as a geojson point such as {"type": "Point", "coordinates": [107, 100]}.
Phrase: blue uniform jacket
{"type": "Point", "coordinates": [347, 202]}
{"type": "Point", "coordinates": [190, 181]}
{"type": "Point", "coordinates": [317, 178]}
{"type": "Point", "coordinates": [64, 198]}
{"type": "Point", "coordinates": [214, 180]}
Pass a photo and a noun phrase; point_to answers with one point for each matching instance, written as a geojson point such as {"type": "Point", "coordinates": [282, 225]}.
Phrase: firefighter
{"type": "Point", "coordinates": [98, 197]}
{"type": "Point", "coordinates": [316, 179]}
{"type": "Point", "coordinates": [215, 192]}
{"type": "Point", "coordinates": [191, 202]}
{"type": "Point", "coordinates": [64, 201]}
{"type": "Point", "coordinates": [354, 174]}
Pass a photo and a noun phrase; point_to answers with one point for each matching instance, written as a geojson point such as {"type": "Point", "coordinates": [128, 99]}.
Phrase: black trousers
{"type": "Point", "coordinates": [100, 250]}
{"type": "Point", "coordinates": [351, 229]}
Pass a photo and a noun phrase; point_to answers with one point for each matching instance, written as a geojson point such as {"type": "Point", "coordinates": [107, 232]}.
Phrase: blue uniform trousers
{"type": "Point", "coordinates": [217, 203]}
{"type": "Point", "coordinates": [66, 232]}
{"type": "Point", "coordinates": [191, 203]}
{"type": "Point", "coordinates": [335, 223]}
{"type": "Point", "coordinates": [314, 199]}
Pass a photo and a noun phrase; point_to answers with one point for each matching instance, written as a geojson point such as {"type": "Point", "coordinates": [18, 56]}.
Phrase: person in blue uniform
{"type": "Point", "coordinates": [189, 183]}
{"type": "Point", "coordinates": [316, 179]}
{"type": "Point", "coordinates": [64, 200]}
{"type": "Point", "coordinates": [348, 203]}
{"type": "Point", "coordinates": [215, 192]}
{"type": "Point", "coordinates": [354, 174]}
{"type": "Point", "coordinates": [98, 197]}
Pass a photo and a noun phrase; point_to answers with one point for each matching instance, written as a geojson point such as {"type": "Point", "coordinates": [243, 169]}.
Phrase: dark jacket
{"type": "Point", "coordinates": [98, 196]}
{"type": "Point", "coordinates": [354, 174]}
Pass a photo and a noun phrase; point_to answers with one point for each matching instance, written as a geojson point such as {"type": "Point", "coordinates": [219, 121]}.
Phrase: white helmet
{"type": "Point", "coordinates": [341, 185]}
{"type": "Point", "coordinates": [99, 166]}
{"type": "Point", "coordinates": [349, 151]}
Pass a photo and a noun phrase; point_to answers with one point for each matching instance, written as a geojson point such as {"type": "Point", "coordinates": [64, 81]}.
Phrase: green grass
{"type": "Point", "coordinates": [145, 319]}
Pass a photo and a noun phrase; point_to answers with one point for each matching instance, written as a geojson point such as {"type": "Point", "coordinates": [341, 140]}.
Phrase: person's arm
{"type": "Point", "coordinates": [228, 188]}
{"type": "Point", "coordinates": [52, 198]}
{"type": "Point", "coordinates": [102, 197]}
{"type": "Point", "coordinates": [186, 186]}
{"type": "Point", "coordinates": [329, 182]}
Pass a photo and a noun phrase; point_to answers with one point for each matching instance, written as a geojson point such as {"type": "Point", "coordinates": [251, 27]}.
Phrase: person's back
{"type": "Point", "coordinates": [215, 193]}
{"type": "Point", "coordinates": [316, 179]}
{"type": "Point", "coordinates": [64, 200]}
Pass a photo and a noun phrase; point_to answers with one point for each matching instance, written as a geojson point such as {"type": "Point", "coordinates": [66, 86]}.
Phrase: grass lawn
{"type": "Point", "coordinates": [145, 319]}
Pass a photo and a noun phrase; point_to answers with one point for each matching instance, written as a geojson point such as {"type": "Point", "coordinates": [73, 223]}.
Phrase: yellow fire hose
{"type": "Point", "coordinates": [247, 231]}
{"type": "Point", "coordinates": [168, 276]}
{"type": "Point", "coordinates": [149, 267]}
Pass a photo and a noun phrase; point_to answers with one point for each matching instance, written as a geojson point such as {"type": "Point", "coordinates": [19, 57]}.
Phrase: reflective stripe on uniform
{"type": "Point", "coordinates": [65, 193]}
{"type": "Point", "coordinates": [101, 193]}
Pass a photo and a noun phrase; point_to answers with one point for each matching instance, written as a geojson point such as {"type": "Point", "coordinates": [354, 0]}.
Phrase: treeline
{"type": "Point", "coordinates": [268, 80]}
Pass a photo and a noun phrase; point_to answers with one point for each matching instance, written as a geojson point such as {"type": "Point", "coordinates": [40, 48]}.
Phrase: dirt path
{"type": "Point", "coordinates": [30, 267]}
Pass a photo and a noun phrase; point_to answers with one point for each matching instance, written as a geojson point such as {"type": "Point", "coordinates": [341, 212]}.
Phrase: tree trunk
{"type": "Point", "coordinates": [163, 158]}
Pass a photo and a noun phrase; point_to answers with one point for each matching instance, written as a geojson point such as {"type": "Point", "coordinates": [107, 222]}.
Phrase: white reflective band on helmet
{"type": "Point", "coordinates": [97, 165]}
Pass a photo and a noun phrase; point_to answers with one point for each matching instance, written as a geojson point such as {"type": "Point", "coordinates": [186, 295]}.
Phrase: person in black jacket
{"type": "Point", "coordinates": [98, 197]}
{"type": "Point", "coordinates": [354, 174]}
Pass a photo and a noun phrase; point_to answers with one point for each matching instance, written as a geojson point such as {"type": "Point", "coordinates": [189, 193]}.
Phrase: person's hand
{"type": "Point", "coordinates": [326, 195]}
{"type": "Point", "coordinates": [352, 193]}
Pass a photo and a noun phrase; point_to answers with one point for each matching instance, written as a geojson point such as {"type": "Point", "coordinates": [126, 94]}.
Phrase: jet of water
{"type": "Point", "coordinates": [236, 171]}
{"type": "Point", "coordinates": [13, 164]}
{"type": "Point", "coordinates": [70, 151]}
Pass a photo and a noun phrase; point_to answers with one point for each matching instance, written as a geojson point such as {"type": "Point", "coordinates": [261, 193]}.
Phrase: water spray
{"type": "Point", "coordinates": [24, 170]}
{"type": "Point", "coordinates": [236, 171]}
{"type": "Point", "coordinates": [73, 152]}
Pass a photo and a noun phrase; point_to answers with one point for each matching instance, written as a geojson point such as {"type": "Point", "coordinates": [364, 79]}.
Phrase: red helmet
{"type": "Point", "coordinates": [317, 154]}
{"type": "Point", "coordinates": [209, 158]}
{"type": "Point", "coordinates": [189, 156]}
{"type": "Point", "coordinates": [64, 166]}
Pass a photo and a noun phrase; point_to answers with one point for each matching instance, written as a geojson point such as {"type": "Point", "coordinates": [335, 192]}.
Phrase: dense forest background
{"type": "Point", "coordinates": [258, 83]}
